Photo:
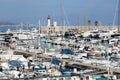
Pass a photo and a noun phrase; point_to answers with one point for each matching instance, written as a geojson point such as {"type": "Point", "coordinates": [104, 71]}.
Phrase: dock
{"type": "Point", "coordinates": [72, 62]}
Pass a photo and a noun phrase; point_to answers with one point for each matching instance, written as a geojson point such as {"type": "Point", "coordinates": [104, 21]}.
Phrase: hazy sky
{"type": "Point", "coordinates": [31, 10]}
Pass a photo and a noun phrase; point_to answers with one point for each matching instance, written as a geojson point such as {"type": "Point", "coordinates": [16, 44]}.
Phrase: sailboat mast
{"type": "Point", "coordinates": [79, 24]}
{"type": "Point", "coordinates": [39, 26]}
{"type": "Point", "coordinates": [118, 16]}
{"type": "Point", "coordinates": [85, 23]}
{"type": "Point", "coordinates": [62, 20]}
{"type": "Point", "coordinates": [38, 37]}
{"type": "Point", "coordinates": [21, 25]}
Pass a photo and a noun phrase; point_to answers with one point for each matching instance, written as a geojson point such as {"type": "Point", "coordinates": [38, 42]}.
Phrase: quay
{"type": "Point", "coordinates": [72, 62]}
{"type": "Point", "coordinates": [24, 53]}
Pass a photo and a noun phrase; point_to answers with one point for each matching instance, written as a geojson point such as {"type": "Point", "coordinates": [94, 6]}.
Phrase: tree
{"type": "Point", "coordinates": [96, 24]}
{"type": "Point", "coordinates": [89, 23]}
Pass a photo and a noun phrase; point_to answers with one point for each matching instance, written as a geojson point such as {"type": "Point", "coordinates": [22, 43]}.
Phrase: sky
{"type": "Point", "coordinates": [67, 12]}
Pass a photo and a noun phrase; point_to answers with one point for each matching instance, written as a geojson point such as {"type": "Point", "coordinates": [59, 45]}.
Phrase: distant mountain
{"type": "Point", "coordinates": [8, 23]}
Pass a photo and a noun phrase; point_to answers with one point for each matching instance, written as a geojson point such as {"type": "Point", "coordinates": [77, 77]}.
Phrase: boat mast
{"type": "Point", "coordinates": [38, 40]}
{"type": "Point", "coordinates": [21, 25]}
{"type": "Point", "coordinates": [79, 29]}
{"type": "Point", "coordinates": [39, 26]}
{"type": "Point", "coordinates": [85, 23]}
{"type": "Point", "coordinates": [62, 19]}
{"type": "Point", "coordinates": [118, 16]}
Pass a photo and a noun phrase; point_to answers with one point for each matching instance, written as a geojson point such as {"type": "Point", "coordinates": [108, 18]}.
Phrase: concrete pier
{"type": "Point", "coordinates": [73, 63]}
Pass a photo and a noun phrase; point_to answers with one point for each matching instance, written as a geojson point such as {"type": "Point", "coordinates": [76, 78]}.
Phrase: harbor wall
{"type": "Point", "coordinates": [62, 29]}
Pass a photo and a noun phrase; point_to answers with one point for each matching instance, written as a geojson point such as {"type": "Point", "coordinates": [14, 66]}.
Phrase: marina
{"type": "Point", "coordinates": [53, 49]}
{"type": "Point", "coordinates": [31, 55]}
{"type": "Point", "coordinates": [93, 56]}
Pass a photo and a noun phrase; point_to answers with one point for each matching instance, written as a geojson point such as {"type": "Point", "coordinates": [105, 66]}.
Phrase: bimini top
{"type": "Point", "coordinates": [15, 63]}
{"type": "Point", "coordinates": [66, 51]}
{"type": "Point", "coordinates": [56, 62]}
{"type": "Point", "coordinates": [40, 69]}
{"type": "Point", "coordinates": [65, 71]}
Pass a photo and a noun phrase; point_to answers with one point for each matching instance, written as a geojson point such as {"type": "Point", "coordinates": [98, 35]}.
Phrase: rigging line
{"type": "Point", "coordinates": [116, 8]}
{"type": "Point", "coordinates": [63, 14]}
{"type": "Point", "coordinates": [66, 17]}
{"type": "Point", "coordinates": [61, 10]}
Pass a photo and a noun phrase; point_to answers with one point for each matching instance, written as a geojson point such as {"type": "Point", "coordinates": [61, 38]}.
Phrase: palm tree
{"type": "Point", "coordinates": [96, 24]}
{"type": "Point", "coordinates": [89, 24]}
